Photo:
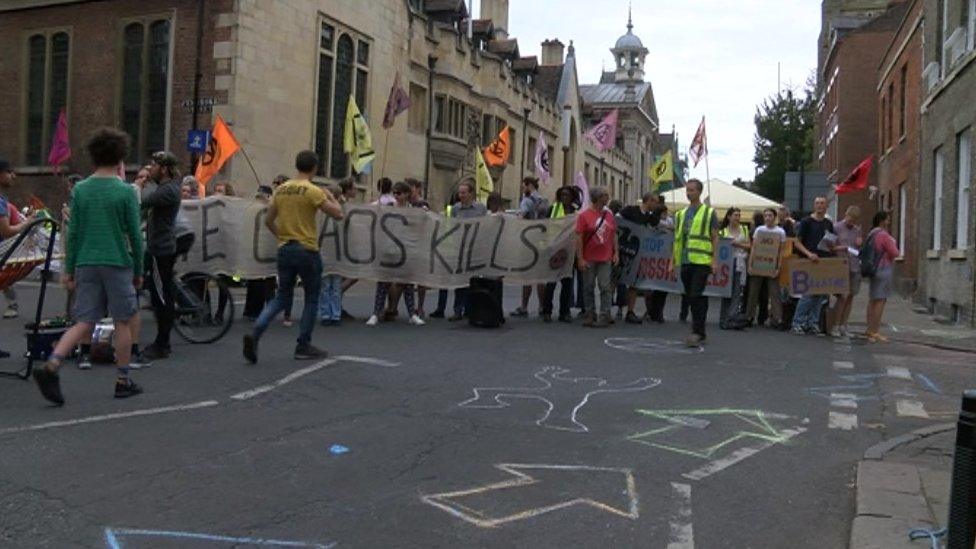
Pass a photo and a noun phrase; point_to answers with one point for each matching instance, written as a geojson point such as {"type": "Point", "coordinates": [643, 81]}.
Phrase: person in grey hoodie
{"type": "Point", "coordinates": [162, 204]}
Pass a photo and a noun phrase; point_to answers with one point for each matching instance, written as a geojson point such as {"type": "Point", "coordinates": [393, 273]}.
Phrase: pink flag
{"type": "Point", "coordinates": [584, 188]}
{"type": "Point", "coordinates": [699, 145]}
{"type": "Point", "coordinates": [543, 169]}
{"type": "Point", "coordinates": [604, 134]}
{"type": "Point", "coordinates": [60, 148]}
{"type": "Point", "coordinates": [398, 102]}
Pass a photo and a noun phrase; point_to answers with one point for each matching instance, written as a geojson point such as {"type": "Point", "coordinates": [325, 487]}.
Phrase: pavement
{"type": "Point", "coordinates": [906, 322]}
{"type": "Point", "coordinates": [532, 435]}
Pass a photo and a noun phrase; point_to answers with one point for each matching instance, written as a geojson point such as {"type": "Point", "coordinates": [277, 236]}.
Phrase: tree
{"type": "Point", "coordinates": [784, 139]}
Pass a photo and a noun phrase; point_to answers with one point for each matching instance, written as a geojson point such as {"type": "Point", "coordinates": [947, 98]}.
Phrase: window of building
{"type": "Point", "coordinates": [144, 108]}
{"type": "Point", "coordinates": [456, 116]}
{"type": "Point", "coordinates": [513, 141]}
{"type": "Point", "coordinates": [531, 154]}
{"type": "Point", "coordinates": [417, 114]}
{"type": "Point", "coordinates": [440, 115]}
{"type": "Point", "coordinates": [891, 109]}
{"type": "Point", "coordinates": [47, 91]}
{"type": "Point", "coordinates": [343, 72]}
{"type": "Point", "coordinates": [969, 16]}
{"type": "Point", "coordinates": [941, 32]}
{"type": "Point", "coordinates": [902, 213]}
{"type": "Point", "coordinates": [881, 122]}
{"type": "Point", "coordinates": [902, 102]}
{"type": "Point", "coordinates": [937, 199]}
{"type": "Point", "coordinates": [963, 204]}
{"type": "Point", "coordinates": [487, 129]}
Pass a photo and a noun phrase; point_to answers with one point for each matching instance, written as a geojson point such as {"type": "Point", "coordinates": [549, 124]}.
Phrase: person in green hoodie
{"type": "Point", "coordinates": [103, 263]}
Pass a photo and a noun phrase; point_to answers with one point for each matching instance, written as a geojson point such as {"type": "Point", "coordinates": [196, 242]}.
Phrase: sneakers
{"type": "Point", "coordinates": [796, 330]}
{"type": "Point", "coordinates": [287, 323]}
{"type": "Point", "coordinates": [50, 385]}
{"type": "Point", "coordinates": [519, 313]}
{"type": "Point", "coordinates": [415, 320]}
{"type": "Point", "coordinates": [308, 351]}
{"type": "Point", "coordinates": [11, 311]}
{"type": "Point", "coordinates": [139, 361]}
{"type": "Point", "coordinates": [836, 332]}
{"type": "Point", "coordinates": [373, 320]}
{"type": "Point", "coordinates": [84, 362]}
{"type": "Point", "coordinates": [125, 388]}
{"type": "Point", "coordinates": [693, 340]}
{"type": "Point", "coordinates": [589, 321]}
{"type": "Point", "coordinates": [631, 318]}
{"type": "Point", "coordinates": [155, 352]}
{"type": "Point", "coordinates": [251, 348]}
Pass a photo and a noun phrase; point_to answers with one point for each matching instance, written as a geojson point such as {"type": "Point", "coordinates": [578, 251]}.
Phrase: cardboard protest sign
{"type": "Point", "coordinates": [828, 276]}
{"type": "Point", "coordinates": [764, 255]}
{"type": "Point", "coordinates": [385, 243]}
{"type": "Point", "coordinates": [651, 269]}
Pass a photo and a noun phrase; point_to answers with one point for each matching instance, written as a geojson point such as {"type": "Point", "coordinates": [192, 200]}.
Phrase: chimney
{"type": "Point", "coordinates": [552, 52]}
{"type": "Point", "coordinates": [497, 11]}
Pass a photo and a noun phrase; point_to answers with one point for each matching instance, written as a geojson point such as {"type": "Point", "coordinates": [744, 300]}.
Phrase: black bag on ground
{"type": "Point", "coordinates": [484, 307]}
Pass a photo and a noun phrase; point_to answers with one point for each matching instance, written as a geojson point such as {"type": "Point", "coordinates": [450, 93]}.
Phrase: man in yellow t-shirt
{"type": "Point", "coordinates": [292, 219]}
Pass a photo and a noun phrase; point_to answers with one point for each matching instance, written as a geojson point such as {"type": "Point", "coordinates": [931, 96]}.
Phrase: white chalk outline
{"type": "Point", "coordinates": [554, 372]}
{"type": "Point", "coordinates": [662, 345]}
{"type": "Point", "coordinates": [442, 500]}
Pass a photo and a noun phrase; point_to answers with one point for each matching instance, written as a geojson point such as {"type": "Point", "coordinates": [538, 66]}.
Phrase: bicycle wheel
{"type": "Point", "coordinates": [204, 308]}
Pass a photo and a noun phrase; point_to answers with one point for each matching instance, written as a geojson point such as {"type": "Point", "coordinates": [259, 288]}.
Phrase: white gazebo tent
{"type": "Point", "coordinates": [723, 196]}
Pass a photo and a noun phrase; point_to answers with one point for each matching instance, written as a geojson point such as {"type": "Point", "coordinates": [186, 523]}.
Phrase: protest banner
{"type": "Point", "coordinates": [764, 255]}
{"type": "Point", "coordinates": [828, 276]}
{"type": "Point", "coordinates": [650, 269]}
{"type": "Point", "coordinates": [384, 243]}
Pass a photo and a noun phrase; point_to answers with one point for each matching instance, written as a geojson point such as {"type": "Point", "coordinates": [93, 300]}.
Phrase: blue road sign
{"type": "Point", "coordinates": [197, 141]}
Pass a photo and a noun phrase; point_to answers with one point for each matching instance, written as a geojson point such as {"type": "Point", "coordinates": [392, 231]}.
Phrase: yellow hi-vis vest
{"type": "Point", "coordinates": [558, 210]}
{"type": "Point", "coordinates": [447, 210]}
{"type": "Point", "coordinates": [698, 239]}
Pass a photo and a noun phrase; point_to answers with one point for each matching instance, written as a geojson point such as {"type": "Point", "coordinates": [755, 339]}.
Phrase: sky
{"type": "Point", "coordinates": [716, 58]}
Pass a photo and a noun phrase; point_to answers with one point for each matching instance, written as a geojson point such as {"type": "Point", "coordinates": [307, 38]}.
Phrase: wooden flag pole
{"type": "Point", "coordinates": [246, 157]}
{"type": "Point", "coordinates": [708, 174]}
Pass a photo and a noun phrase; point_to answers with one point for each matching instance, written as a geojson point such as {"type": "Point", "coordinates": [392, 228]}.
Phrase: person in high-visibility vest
{"type": "Point", "coordinates": [565, 205]}
{"type": "Point", "coordinates": [696, 255]}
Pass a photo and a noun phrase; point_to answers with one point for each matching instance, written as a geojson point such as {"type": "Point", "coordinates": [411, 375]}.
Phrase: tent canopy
{"type": "Point", "coordinates": [723, 196]}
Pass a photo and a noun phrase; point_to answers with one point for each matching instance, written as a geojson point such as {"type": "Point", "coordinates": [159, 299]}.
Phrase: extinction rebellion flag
{"type": "Point", "coordinates": [543, 170]}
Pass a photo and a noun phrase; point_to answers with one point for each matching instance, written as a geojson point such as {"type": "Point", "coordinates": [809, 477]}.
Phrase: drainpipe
{"type": "Point", "coordinates": [198, 74]}
{"type": "Point", "coordinates": [431, 63]}
{"type": "Point", "coordinates": [525, 131]}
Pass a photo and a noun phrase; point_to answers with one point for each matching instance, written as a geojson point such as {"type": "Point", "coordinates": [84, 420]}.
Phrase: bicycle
{"type": "Point", "coordinates": [194, 316]}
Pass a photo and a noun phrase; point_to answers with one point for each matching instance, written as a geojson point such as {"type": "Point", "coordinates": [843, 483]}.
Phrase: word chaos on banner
{"type": "Point", "coordinates": [645, 256]}
{"type": "Point", "coordinates": [384, 243]}
{"type": "Point", "coordinates": [828, 276]}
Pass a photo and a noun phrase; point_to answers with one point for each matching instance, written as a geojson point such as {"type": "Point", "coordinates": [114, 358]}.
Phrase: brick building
{"type": "Point", "coordinates": [847, 117]}
{"type": "Point", "coordinates": [280, 73]}
{"type": "Point", "coordinates": [127, 63]}
{"type": "Point", "coordinates": [947, 284]}
{"type": "Point", "coordinates": [899, 130]}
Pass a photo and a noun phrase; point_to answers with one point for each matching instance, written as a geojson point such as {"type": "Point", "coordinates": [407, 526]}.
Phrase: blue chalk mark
{"type": "Point", "coordinates": [113, 543]}
{"type": "Point", "coordinates": [337, 449]}
{"type": "Point", "coordinates": [928, 383]}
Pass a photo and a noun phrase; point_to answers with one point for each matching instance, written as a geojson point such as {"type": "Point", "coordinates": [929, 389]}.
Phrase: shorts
{"type": "Point", "coordinates": [881, 283]}
{"type": "Point", "coordinates": [102, 291]}
{"type": "Point", "coordinates": [855, 283]}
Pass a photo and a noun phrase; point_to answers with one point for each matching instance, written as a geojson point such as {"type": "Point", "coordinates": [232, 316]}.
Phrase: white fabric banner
{"type": "Point", "coordinates": [386, 243]}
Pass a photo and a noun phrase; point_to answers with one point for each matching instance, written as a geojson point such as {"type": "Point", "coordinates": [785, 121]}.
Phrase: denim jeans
{"type": "Point", "coordinates": [330, 298]}
{"type": "Point", "coordinates": [294, 261]}
{"type": "Point", "coordinates": [598, 275]}
{"type": "Point", "coordinates": [807, 314]}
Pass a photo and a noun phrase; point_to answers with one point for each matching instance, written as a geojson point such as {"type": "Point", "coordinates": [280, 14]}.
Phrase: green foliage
{"type": "Point", "coordinates": [784, 139]}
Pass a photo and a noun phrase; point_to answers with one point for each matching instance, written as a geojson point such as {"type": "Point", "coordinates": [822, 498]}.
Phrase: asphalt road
{"type": "Point", "coordinates": [531, 435]}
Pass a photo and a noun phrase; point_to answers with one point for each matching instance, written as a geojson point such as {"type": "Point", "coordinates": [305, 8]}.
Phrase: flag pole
{"type": "Point", "coordinates": [246, 157]}
{"type": "Point", "coordinates": [708, 174]}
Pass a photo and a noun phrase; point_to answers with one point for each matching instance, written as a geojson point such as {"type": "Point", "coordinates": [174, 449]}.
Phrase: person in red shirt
{"type": "Point", "coordinates": [596, 254]}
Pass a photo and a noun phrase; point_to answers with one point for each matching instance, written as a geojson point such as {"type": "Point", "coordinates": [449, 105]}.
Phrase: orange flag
{"type": "Point", "coordinates": [223, 145]}
{"type": "Point", "coordinates": [496, 153]}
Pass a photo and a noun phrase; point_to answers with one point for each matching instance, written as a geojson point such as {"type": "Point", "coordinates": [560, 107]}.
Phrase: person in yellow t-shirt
{"type": "Point", "coordinates": [292, 219]}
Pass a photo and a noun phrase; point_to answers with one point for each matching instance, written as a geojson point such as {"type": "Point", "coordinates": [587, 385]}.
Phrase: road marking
{"type": "Point", "coordinates": [720, 464]}
{"type": "Point", "coordinates": [682, 535]}
{"type": "Point", "coordinates": [109, 417]}
{"type": "Point", "coordinates": [839, 420]}
{"type": "Point", "coordinates": [563, 419]}
{"type": "Point", "coordinates": [929, 384]}
{"type": "Point", "coordinates": [257, 391]}
{"type": "Point", "coordinates": [446, 500]}
{"type": "Point", "coordinates": [911, 408]}
{"type": "Point", "coordinates": [843, 400]}
{"type": "Point", "coordinates": [899, 372]}
{"type": "Point", "coordinates": [843, 365]}
{"type": "Point", "coordinates": [112, 538]}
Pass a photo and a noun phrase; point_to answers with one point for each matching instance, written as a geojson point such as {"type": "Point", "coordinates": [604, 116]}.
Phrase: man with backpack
{"type": "Point", "coordinates": [532, 206]}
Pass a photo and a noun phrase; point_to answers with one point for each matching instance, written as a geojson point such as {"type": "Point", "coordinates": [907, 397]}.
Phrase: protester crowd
{"type": "Point", "coordinates": [107, 250]}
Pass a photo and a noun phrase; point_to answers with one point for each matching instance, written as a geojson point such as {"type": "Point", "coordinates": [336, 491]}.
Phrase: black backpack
{"type": "Point", "coordinates": [868, 257]}
{"type": "Point", "coordinates": [484, 306]}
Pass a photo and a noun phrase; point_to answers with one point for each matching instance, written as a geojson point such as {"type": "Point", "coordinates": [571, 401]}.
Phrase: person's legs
{"type": "Point", "coordinates": [685, 307]}
{"type": "Point", "coordinates": [631, 300]}
{"type": "Point", "coordinates": [546, 299]}
{"type": "Point", "coordinates": [12, 308]}
{"type": "Point", "coordinates": [523, 309]}
{"type": "Point", "coordinates": [699, 301]}
{"type": "Point", "coordinates": [284, 295]}
{"type": "Point", "coordinates": [686, 275]}
{"type": "Point", "coordinates": [407, 290]}
{"type": "Point", "coordinates": [441, 304]}
{"type": "Point", "coordinates": [310, 271]}
{"type": "Point", "coordinates": [460, 302]}
{"type": "Point", "coordinates": [764, 301]}
{"type": "Point", "coordinates": [421, 298]}
{"type": "Point", "coordinates": [604, 273]}
{"type": "Point", "coordinates": [165, 311]}
{"type": "Point", "coordinates": [379, 301]}
{"type": "Point", "coordinates": [752, 296]}
{"type": "Point", "coordinates": [803, 311]}
{"type": "Point", "coordinates": [565, 297]}
{"type": "Point", "coordinates": [659, 300]}
{"type": "Point", "coordinates": [775, 304]}
{"type": "Point", "coordinates": [589, 295]}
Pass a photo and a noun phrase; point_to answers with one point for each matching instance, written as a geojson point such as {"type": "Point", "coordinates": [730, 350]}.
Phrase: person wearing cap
{"type": "Point", "coordinates": [161, 204]}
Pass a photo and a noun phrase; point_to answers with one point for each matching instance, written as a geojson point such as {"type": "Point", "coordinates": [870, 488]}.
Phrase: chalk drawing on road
{"type": "Point", "coordinates": [563, 396]}
{"type": "Point", "coordinates": [651, 346]}
{"type": "Point", "coordinates": [676, 435]}
{"type": "Point", "coordinates": [110, 417]}
{"type": "Point", "coordinates": [115, 536]}
{"type": "Point", "coordinates": [257, 391]}
{"type": "Point", "coordinates": [526, 496]}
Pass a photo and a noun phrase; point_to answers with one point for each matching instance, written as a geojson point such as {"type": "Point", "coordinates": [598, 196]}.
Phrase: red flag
{"type": "Point", "coordinates": [60, 148]}
{"type": "Point", "coordinates": [398, 102]}
{"type": "Point", "coordinates": [604, 134]}
{"type": "Point", "coordinates": [858, 180]}
{"type": "Point", "coordinates": [699, 145]}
